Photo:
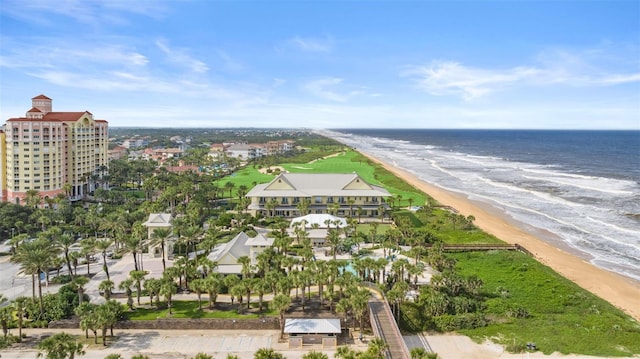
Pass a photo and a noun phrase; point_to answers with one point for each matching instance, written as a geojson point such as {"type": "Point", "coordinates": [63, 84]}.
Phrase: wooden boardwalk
{"type": "Point", "coordinates": [385, 327]}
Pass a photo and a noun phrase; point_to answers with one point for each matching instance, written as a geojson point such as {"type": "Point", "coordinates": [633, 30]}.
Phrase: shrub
{"type": "Point", "coordinates": [61, 279]}
{"type": "Point", "coordinates": [448, 323]}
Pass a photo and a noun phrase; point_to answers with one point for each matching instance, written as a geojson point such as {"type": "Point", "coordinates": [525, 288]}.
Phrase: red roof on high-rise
{"type": "Point", "coordinates": [41, 97]}
{"type": "Point", "coordinates": [33, 109]}
{"type": "Point", "coordinates": [64, 116]}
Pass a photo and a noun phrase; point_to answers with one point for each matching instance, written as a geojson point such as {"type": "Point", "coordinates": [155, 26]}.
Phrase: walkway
{"type": "Point", "coordinates": [385, 327]}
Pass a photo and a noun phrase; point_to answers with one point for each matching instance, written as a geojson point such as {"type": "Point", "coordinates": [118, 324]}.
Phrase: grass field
{"type": "Point", "coordinates": [562, 316]}
{"type": "Point", "coordinates": [189, 309]}
{"type": "Point", "coordinates": [344, 162]}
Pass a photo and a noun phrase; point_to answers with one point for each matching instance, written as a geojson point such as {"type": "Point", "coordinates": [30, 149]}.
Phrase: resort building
{"type": "Point", "coordinates": [52, 153]}
{"type": "Point", "coordinates": [316, 226]}
{"type": "Point", "coordinates": [295, 194]}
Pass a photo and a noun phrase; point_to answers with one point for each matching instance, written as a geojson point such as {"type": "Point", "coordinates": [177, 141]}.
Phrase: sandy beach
{"type": "Point", "coordinates": [618, 290]}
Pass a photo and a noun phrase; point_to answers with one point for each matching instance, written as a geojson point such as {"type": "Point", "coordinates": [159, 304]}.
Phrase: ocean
{"type": "Point", "coordinates": [577, 190]}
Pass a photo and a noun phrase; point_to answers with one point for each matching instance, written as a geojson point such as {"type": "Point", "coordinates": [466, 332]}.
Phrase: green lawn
{"type": "Point", "coordinates": [563, 316]}
{"type": "Point", "coordinates": [189, 309]}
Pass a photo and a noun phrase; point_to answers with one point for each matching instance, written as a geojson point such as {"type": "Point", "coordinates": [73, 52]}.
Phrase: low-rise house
{"type": "Point", "coordinates": [117, 153]}
{"type": "Point", "coordinates": [341, 194]}
{"type": "Point", "coordinates": [227, 255]}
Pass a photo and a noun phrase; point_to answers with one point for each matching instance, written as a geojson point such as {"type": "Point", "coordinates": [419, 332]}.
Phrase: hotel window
{"type": "Point", "coordinates": [318, 199]}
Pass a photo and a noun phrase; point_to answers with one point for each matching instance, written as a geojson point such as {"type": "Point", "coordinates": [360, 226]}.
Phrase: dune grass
{"type": "Point", "coordinates": [562, 316]}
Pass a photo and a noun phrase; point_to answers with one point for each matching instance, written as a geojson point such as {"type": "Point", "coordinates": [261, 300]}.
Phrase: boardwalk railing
{"type": "Point", "coordinates": [385, 327]}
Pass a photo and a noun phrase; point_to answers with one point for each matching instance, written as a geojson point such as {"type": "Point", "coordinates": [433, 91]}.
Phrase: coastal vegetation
{"type": "Point", "coordinates": [499, 295]}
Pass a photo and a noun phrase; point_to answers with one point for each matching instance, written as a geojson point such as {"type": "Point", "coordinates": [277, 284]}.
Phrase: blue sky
{"type": "Point", "coordinates": [326, 64]}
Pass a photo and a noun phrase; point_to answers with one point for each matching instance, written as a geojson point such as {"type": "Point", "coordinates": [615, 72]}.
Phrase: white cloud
{"type": "Point", "coordinates": [180, 57]}
{"type": "Point", "coordinates": [325, 89]}
{"type": "Point", "coordinates": [452, 78]}
{"type": "Point", "coordinates": [556, 67]}
{"type": "Point", "coordinates": [88, 12]}
{"type": "Point", "coordinates": [312, 44]}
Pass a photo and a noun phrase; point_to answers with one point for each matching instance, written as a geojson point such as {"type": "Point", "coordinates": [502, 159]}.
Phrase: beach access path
{"type": "Point", "coordinates": [623, 292]}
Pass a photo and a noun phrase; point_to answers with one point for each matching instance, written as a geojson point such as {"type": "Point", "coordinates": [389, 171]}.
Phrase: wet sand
{"type": "Point", "coordinates": [623, 292]}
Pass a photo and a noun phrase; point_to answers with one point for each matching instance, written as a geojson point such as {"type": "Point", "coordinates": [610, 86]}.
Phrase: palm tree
{"type": "Point", "coordinates": [198, 286]}
{"type": "Point", "coordinates": [315, 355]}
{"type": "Point", "coordinates": [260, 286]}
{"type": "Point", "coordinates": [78, 283]}
{"type": "Point", "coordinates": [20, 307]}
{"type": "Point", "coordinates": [102, 246]}
{"type": "Point", "coordinates": [281, 303]}
{"type": "Point", "coordinates": [106, 286]}
{"type": "Point", "coordinates": [138, 276]}
{"type": "Point", "coordinates": [32, 198]}
{"type": "Point", "coordinates": [107, 316]}
{"type": "Point", "coordinates": [421, 353]}
{"type": "Point", "coordinates": [6, 316]}
{"type": "Point", "coordinates": [159, 237]}
{"type": "Point", "coordinates": [202, 356]}
{"type": "Point", "coordinates": [333, 238]}
{"type": "Point", "coordinates": [152, 286]}
{"type": "Point", "coordinates": [267, 353]}
{"type": "Point", "coordinates": [213, 283]}
{"type": "Point", "coordinates": [86, 312]}
{"type": "Point", "coordinates": [126, 285]}
{"type": "Point", "coordinates": [34, 258]}
{"type": "Point", "coordinates": [230, 186]}
{"type": "Point", "coordinates": [271, 206]}
{"type": "Point", "coordinates": [88, 249]}
{"type": "Point", "coordinates": [168, 289]}
{"type": "Point", "coordinates": [132, 244]}
{"type": "Point", "coordinates": [63, 241]}
{"type": "Point", "coordinates": [60, 346]}
{"type": "Point", "coordinates": [377, 348]}
{"type": "Point", "coordinates": [303, 206]}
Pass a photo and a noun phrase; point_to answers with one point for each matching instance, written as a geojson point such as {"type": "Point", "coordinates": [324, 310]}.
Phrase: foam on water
{"type": "Point", "coordinates": [589, 214]}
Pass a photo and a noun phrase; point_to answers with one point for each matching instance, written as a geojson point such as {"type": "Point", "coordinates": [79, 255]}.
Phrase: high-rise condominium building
{"type": "Point", "coordinates": [52, 153]}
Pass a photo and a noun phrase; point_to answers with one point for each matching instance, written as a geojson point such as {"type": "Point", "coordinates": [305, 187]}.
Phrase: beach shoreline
{"type": "Point", "coordinates": [622, 292]}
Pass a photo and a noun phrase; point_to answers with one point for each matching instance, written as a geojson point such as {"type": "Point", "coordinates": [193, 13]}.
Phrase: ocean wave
{"type": "Point", "coordinates": [582, 211]}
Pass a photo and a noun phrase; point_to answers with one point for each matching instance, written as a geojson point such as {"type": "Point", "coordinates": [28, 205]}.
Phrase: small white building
{"type": "Point", "coordinates": [155, 221]}
{"type": "Point", "coordinates": [227, 255]}
{"type": "Point", "coordinates": [317, 226]}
